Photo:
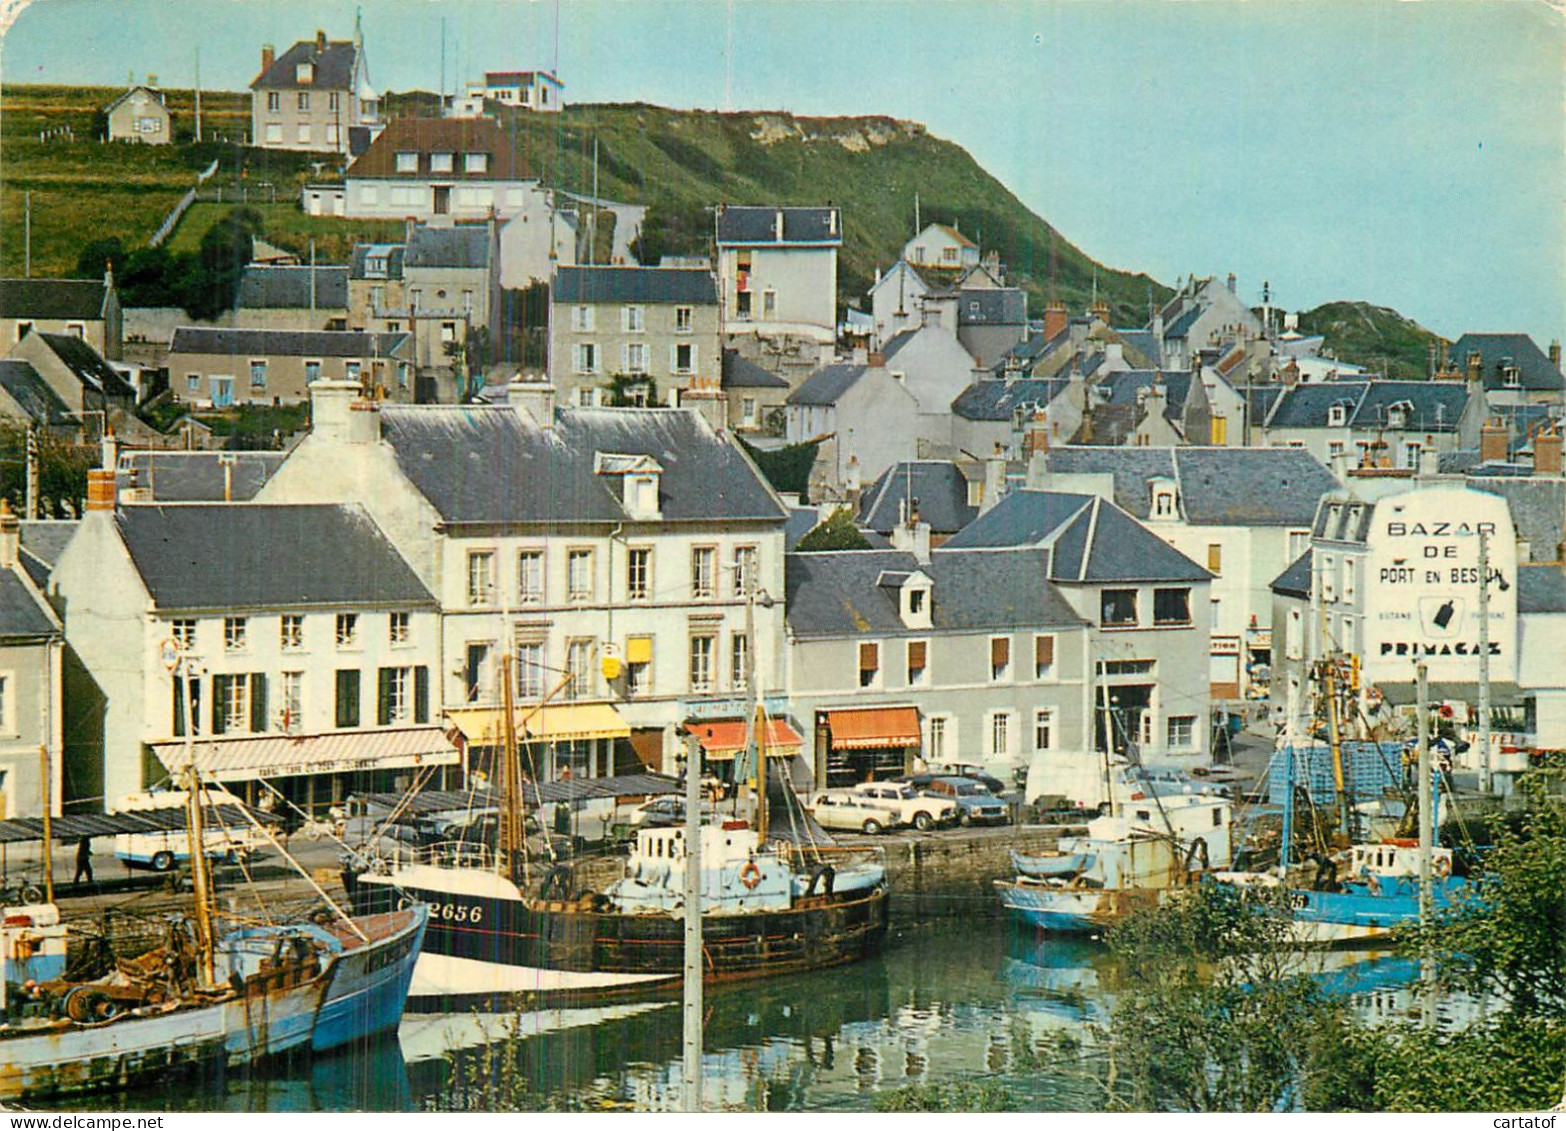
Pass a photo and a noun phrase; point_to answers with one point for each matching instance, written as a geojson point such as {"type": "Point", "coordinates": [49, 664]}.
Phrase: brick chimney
{"type": "Point", "coordinates": [1475, 368]}
{"type": "Point", "coordinates": [268, 57]}
{"type": "Point", "coordinates": [875, 359]}
{"type": "Point", "coordinates": [101, 490]}
{"type": "Point", "coordinates": [1555, 353]}
{"type": "Point", "coordinates": [1100, 311]}
{"type": "Point", "coordinates": [1055, 319]}
{"type": "Point", "coordinates": [1035, 435]}
{"type": "Point", "coordinates": [320, 40]}
{"type": "Point", "coordinates": [1493, 441]}
{"type": "Point", "coordinates": [1547, 452]}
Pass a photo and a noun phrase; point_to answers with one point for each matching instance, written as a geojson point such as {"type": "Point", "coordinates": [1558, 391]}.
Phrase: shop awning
{"type": "Point", "coordinates": [248, 757]}
{"type": "Point", "coordinates": [723, 739]}
{"type": "Point", "coordinates": [870, 728]}
{"type": "Point", "coordinates": [481, 726]}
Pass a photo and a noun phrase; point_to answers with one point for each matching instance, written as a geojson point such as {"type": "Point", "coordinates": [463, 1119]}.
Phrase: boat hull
{"type": "Point", "coordinates": [1358, 915]}
{"type": "Point", "coordinates": [1075, 910]}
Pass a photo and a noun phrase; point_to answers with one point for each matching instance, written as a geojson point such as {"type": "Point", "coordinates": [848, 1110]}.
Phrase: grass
{"type": "Point", "coordinates": [287, 227]}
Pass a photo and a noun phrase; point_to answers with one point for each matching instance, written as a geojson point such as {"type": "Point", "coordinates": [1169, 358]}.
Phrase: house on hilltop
{"type": "Point", "coordinates": [530, 90]}
{"type": "Point", "coordinates": [140, 115]}
{"type": "Point", "coordinates": [313, 96]}
{"type": "Point", "coordinates": [420, 168]}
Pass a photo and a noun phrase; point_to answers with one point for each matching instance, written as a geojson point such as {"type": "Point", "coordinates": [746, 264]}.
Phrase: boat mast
{"type": "Point", "coordinates": [1426, 847]}
{"type": "Point", "coordinates": [755, 742]}
{"type": "Point", "coordinates": [196, 834]}
{"type": "Point", "coordinates": [1328, 668]}
{"type": "Point", "coordinates": [1485, 770]}
{"type": "Point", "coordinates": [511, 835]}
{"type": "Point", "coordinates": [692, 994]}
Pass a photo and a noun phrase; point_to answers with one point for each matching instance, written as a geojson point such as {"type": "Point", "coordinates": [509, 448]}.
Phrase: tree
{"type": "Point", "coordinates": [673, 229]}
{"type": "Point", "coordinates": [787, 468]}
{"type": "Point", "coordinates": [97, 255]}
{"type": "Point", "coordinates": [838, 532]}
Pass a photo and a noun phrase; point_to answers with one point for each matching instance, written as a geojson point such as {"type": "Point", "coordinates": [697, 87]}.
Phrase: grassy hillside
{"type": "Point", "coordinates": [1376, 337]}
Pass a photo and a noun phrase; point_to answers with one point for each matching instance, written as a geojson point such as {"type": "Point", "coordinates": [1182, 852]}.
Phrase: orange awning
{"type": "Point", "coordinates": [726, 738]}
{"type": "Point", "coordinates": [872, 727]}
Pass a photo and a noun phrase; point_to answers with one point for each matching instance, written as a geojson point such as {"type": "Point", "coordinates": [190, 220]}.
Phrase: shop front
{"type": "Point", "coordinates": [556, 741]}
{"type": "Point", "coordinates": [723, 740]}
{"type": "Point", "coordinates": [855, 744]}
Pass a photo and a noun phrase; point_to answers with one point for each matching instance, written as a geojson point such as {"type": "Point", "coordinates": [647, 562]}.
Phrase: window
{"type": "Point", "coordinates": [638, 573]}
{"type": "Point", "coordinates": [1044, 657]}
{"type": "Point", "coordinates": [304, 133]}
{"type": "Point", "coordinates": [407, 162]}
{"type": "Point", "coordinates": [351, 370]}
{"type": "Point", "coordinates": [530, 669]}
{"type": "Point", "coordinates": [1000, 657]}
{"type": "Point", "coordinates": [403, 695]}
{"type": "Point", "coordinates": [1043, 729]}
{"type": "Point", "coordinates": [1117, 607]}
{"type": "Point", "coordinates": [331, 100]}
{"type": "Point", "coordinates": [683, 319]}
{"type": "Point", "coordinates": [579, 669]}
{"type": "Point", "coordinates": [290, 718]}
{"type": "Point", "coordinates": [530, 577]}
{"type": "Point", "coordinates": [467, 302]}
{"type": "Point", "coordinates": [475, 162]}
{"type": "Point", "coordinates": [274, 100]}
{"type": "Point", "coordinates": [869, 664]}
{"type": "Point", "coordinates": [1000, 736]}
{"type": "Point", "coordinates": [936, 744]}
{"type": "Point", "coordinates": [477, 676]}
{"type": "Point", "coordinates": [1329, 579]}
{"type": "Point", "coordinates": [769, 304]}
{"type": "Point", "coordinates": [918, 663]}
{"type": "Point", "coordinates": [397, 629]}
{"type": "Point", "coordinates": [235, 634]}
{"type": "Point", "coordinates": [441, 162]}
{"type": "Point", "coordinates": [185, 633]}
{"type": "Point", "coordinates": [584, 358]}
{"type": "Point", "coordinates": [193, 382]}
{"type": "Point", "coordinates": [1334, 449]}
{"type": "Point", "coordinates": [193, 685]}
{"type": "Point", "coordinates": [579, 574]}
{"type": "Point", "coordinates": [1215, 559]}
{"type": "Point", "coordinates": [703, 560]}
{"type": "Point", "coordinates": [274, 132]}
{"type": "Point", "coordinates": [632, 319]}
{"type": "Point", "coordinates": [1337, 416]}
{"type": "Point", "coordinates": [742, 305]}
{"type": "Point", "coordinates": [638, 665]}
{"type": "Point", "coordinates": [684, 357]}
{"type": "Point", "coordinates": [1182, 731]}
{"type": "Point", "coordinates": [481, 577]}
{"type": "Point", "coordinates": [1294, 635]}
{"type": "Point", "coordinates": [234, 707]}
{"type": "Point", "coordinates": [304, 100]}
{"type": "Point", "coordinates": [1411, 450]}
{"type": "Point", "coordinates": [1171, 606]}
{"type": "Point", "coordinates": [748, 411]}
{"type": "Point", "coordinates": [312, 371]}
{"type": "Point", "coordinates": [582, 318]}
{"type": "Point", "coordinates": [290, 632]}
{"type": "Point", "coordinates": [739, 661]}
{"type": "Point", "coordinates": [1214, 614]}
{"type": "Point", "coordinates": [636, 357]}
{"type": "Point", "coordinates": [1349, 570]}
{"type": "Point", "coordinates": [347, 630]}
{"type": "Point", "coordinates": [747, 565]}
{"type": "Point", "coordinates": [1163, 503]}
{"type": "Point", "coordinates": [1511, 376]}
{"type": "Point", "coordinates": [702, 648]}
{"type": "Point", "coordinates": [258, 374]}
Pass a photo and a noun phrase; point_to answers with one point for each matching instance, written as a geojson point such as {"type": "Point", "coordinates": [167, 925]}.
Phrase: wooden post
{"type": "Point", "coordinates": [46, 787]}
{"type": "Point", "coordinates": [1426, 846]}
{"type": "Point", "coordinates": [692, 996]}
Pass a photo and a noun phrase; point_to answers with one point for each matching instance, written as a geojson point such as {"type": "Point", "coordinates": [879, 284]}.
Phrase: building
{"type": "Point", "coordinates": [313, 96]}
{"type": "Point", "coordinates": [1202, 314]}
{"type": "Point", "coordinates": [289, 297]}
{"type": "Point", "coordinates": [967, 656]}
{"type": "Point", "coordinates": [777, 271]}
{"type": "Point", "coordinates": [83, 308]}
{"type": "Point", "coordinates": [864, 418]}
{"type": "Point", "coordinates": [940, 494]}
{"type": "Point", "coordinates": [633, 335]}
{"type": "Point", "coordinates": [31, 703]}
{"type": "Point", "coordinates": [942, 247]}
{"type": "Point", "coordinates": [25, 397]}
{"type": "Point", "coordinates": [933, 365]}
{"type": "Point", "coordinates": [1510, 367]}
{"type": "Point", "coordinates": [629, 561]}
{"type": "Point", "coordinates": [1388, 423]}
{"type": "Point", "coordinates": [77, 373]}
{"type": "Point", "coordinates": [418, 168]}
{"type": "Point", "coordinates": [140, 115]}
{"type": "Point", "coordinates": [754, 397]}
{"type": "Point", "coordinates": [313, 646]}
{"type": "Point", "coordinates": [1146, 646]}
{"type": "Point", "coordinates": [220, 367]}
{"type": "Point", "coordinates": [530, 90]}
{"type": "Point", "coordinates": [1000, 413]}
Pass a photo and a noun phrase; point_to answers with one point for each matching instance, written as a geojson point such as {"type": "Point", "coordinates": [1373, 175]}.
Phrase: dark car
{"type": "Point", "coordinates": [976, 805]}
{"type": "Point", "coordinates": [964, 770]}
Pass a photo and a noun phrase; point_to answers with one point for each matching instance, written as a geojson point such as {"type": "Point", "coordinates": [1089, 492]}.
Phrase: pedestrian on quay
{"type": "Point", "coordinates": [83, 860]}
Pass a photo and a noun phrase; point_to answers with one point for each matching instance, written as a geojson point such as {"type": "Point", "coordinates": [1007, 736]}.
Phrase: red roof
{"type": "Point", "coordinates": [869, 728]}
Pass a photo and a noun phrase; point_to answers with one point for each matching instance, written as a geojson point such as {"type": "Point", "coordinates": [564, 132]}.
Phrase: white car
{"type": "Point", "coordinates": [913, 807]}
{"type": "Point", "coordinates": [847, 810]}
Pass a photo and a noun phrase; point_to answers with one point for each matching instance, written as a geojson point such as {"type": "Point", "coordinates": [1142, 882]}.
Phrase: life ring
{"type": "Point", "coordinates": [750, 875]}
{"type": "Point", "coordinates": [1442, 867]}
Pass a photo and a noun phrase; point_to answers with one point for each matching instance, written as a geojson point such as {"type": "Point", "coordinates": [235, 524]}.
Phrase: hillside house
{"type": "Point", "coordinates": [531, 90]}
{"type": "Point", "coordinates": [777, 271]}
{"type": "Point", "coordinates": [420, 168]}
{"type": "Point", "coordinates": [140, 115]}
{"type": "Point", "coordinates": [219, 367]}
{"type": "Point", "coordinates": [943, 248]}
{"type": "Point", "coordinates": [83, 308]}
{"type": "Point", "coordinates": [312, 96]}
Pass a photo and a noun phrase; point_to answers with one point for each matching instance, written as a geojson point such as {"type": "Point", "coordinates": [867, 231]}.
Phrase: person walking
{"type": "Point", "coordinates": [83, 860]}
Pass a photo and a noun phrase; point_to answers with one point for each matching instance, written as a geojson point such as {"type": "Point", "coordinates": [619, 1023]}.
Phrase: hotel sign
{"type": "Point", "coordinates": [1421, 587]}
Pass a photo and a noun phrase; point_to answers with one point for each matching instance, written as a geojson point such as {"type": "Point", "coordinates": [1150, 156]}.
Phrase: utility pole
{"type": "Point", "coordinates": [198, 94]}
{"type": "Point", "coordinates": [31, 504]}
{"type": "Point", "coordinates": [1485, 780]}
{"type": "Point", "coordinates": [1426, 844]}
{"type": "Point", "coordinates": [27, 234]}
{"type": "Point", "coordinates": [692, 997]}
{"type": "Point", "coordinates": [45, 786]}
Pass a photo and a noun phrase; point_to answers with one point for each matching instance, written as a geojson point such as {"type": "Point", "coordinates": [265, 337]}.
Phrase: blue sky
{"type": "Point", "coordinates": [1407, 153]}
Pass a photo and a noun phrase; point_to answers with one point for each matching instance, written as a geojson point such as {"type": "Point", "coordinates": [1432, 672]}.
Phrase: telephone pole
{"type": "Point", "coordinates": [1485, 779]}
{"type": "Point", "coordinates": [692, 997]}
{"type": "Point", "coordinates": [1426, 846]}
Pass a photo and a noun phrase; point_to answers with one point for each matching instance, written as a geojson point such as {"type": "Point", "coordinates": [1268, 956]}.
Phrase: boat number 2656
{"type": "Point", "coordinates": [455, 912]}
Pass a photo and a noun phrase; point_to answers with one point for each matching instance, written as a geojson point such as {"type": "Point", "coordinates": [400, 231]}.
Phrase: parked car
{"type": "Point", "coordinates": [915, 809]}
{"type": "Point", "coordinates": [162, 850]}
{"type": "Point", "coordinates": [958, 770]}
{"type": "Point", "coordinates": [975, 804]}
{"type": "Point", "coordinates": [664, 812]}
{"type": "Point", "coordinates": [846, 809]}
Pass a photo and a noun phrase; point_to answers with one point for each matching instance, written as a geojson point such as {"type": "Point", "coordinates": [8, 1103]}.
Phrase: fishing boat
{"type": "Point", "coordinates": [1051, 864]}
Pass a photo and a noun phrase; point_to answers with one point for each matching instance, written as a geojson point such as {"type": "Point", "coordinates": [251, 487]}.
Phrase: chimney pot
{"type": "Point", "coordinates": [268, 57]}
{"type": "Point", "coordinates": [1493, 438]}
{"type": "Point", "coordinates": [1547, 452]}
{"type": "Point", "coordinates": [320, 40]}
{"type": "Point", "coordinates": [101, 492]}
{"type": "Point", "coordinates": [1555, 353]}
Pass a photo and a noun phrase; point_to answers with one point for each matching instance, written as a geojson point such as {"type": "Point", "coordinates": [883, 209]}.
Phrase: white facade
{"type": "Point", "coordinates": [942, 247]}
{"type": "Point", "coordinates": [399, 198]}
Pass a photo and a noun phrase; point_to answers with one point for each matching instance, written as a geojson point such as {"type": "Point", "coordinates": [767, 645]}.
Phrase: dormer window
{"type": "Point", "coordinates": [304, 73]}
{"type": "Point", "coordinates": [441, 162]}
{"type": "Point", "coordinates": [407, 161]}
{"type": "Point", "coordinates": [475, 163]}
{"type": "Point", "coordinates": [640, 477]}
{"type": "Point", "coordinates": [1510, 376]}
{"type": "Point", "coordinates": [1397, 415]}
{"type": "Point", "coordinates": [1337, 416]}
{"type": "Point", "coordinates": [1164, 499]}
{"type": "Point", "coordinates": [916, 602]}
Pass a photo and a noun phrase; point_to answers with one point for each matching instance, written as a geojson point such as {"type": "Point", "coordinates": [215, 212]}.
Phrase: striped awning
{"type": "Point", "coordinates": [725, 738]}
{"type": "Point", "coordinates": [872, 728]}
{"type": "Point", "coordinates": [563, 722]}
{"type": "Point", "coordinates": [248, 757]}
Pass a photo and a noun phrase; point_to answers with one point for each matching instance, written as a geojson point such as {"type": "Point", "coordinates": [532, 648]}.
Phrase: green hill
{"type": "Point", "coordinates": [1376, 337]}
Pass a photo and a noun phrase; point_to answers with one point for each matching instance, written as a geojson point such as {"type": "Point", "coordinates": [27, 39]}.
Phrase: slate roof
{"type": "Point", "coordinates": [1541, 588]}
{"type": "Point", "coordinates": [1295, 581]}
{"type": "Point", "coordinates": [490, 465]}
{"type": "Point", "coordinates": [1126, 386]}
{"type": "Point", "coordinates": [88, 365]}
{"type": "Point", "coordinates": [1091, 539]}
{"type": "Point", "coordinates": [359, 263]}
{"type": "Point", "coordinates": [35, 396]}
{"type": "Point", "coordinates": [333, 67]}
{"type": "Point", "coordinates": [741, 373]}
{"type": "Point", "coordinates": [21, 614]}
{"type": "Point", "coordinates": [1143, 342]}
{"type": "Point", "coordinates": [1432, 406]}
{"type": "Point", "coordinates": [259, 556]}
{"type": "Point", "coordinates": [286, 288]}
{"type": "Point", "coordinates": [1260, 399]}
{"type": "Point", "coordinates": [42, 544]}
{"type": "Point", "coordinates": [1538, 508]}
{"type": "Point", "coordinates": [800, 522]}
{"type": "Point", "coordinates": [1109, 424]}
{"type": "Point", "coordinates": [80, 300]}
{"type": "Point", "coordinates": [190, 477]}
{"type": "Point", "coordinates": [749, 224]}
{"type": "Point", "coordinates": [838, 594]}
{"type": "Point", "coordinates": [1182, 325]}
{"type": "Point", "coordinates": [1534, 370]}
{"type": "Point", "coordinates": [460, 246]}
{"type": "Point", "coordinates": [998, 399]}
{"type": "Point", "coordinates": [441, 135]}
{"type": "Point", "coordinates": [827, 384]}
{"type": "Point", "coordinates": [286, 343]}
{"type": "Point", "coordinates": [939, 486]}
{"type": "Point", "coordinates": [997, 306]}
{"type": "Point", "coordinates": [684, 285]}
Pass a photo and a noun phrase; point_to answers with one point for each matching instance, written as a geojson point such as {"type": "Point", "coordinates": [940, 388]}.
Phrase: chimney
{"type": "Point", "coordinates": [536, 398]}
{"type": "Point", "coordinates": [109, 451]}
{"type": "Point", "coordinates": [994, 480]}
{"type": "Point", "coordinates": [1547, 452]}
{"type": "Point", "coordinates": [1100, 311]}
{"type": "Point", "coordinates": [100, 490]}
{"type": "Point", "coordinates": [778, 223]}
{"type": "Point", "coordinates": [1035, 436]}
{"type": "Point", "coordinates": [831, 221]}
{"type": "Point", "coordinates": [912, 537]}
{"type": "Point", "coordinates": [1555, 353]}
{"type": "Point", "coordinates": [333, 405]}
{"type": "Point", "coordinates": [875, 359]}
{"type": "Point", "coordinates": [320, 45]}
{"type": "Point", "coordinates": [1231, 282]}
{"type": "Point", "coordinates": [10, 535]}
{"type": "Point", "coordinates": [1492, 441]}
{"type": "Point", "coordinates": [268, 57]}
{"type": "Point", "coordinates": [1055, 319]}
{"type": "Point", "coordinates": [1475, 368]}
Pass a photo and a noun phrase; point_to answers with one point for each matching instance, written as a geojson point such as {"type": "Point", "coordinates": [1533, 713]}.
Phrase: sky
{"type": "Point", "coordinates": [1412, 154]}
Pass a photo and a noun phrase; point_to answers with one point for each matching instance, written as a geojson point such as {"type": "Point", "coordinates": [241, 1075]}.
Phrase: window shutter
{"type": "Point", "coordinates": [625, 318]}
{"type": "Point", "coordinates": [1214, 557]}
{"type": "Point", "coordinates": [869, 658]}
{"type": "Point", "coordinates": [1044, 651]}
{"type": "Point", "coordinates": [179, 707]}
{"type": "Point", "coordinates": [258, 719]}
{"type": "Point", "coordinates": [421, 694]}
{"type": "Point", "coordinates": [695, 362]}
{"type": "Point", "coordinates": [916, 654]}
{"type": "Point", "coordinates": [638, 650]}
{"type": "Point", "coordinates": [348, 698]}
{"type": "Point", "coordinates": [383, 699]}
{"type": "Point", "coordinates": [220, 693]}
{"type": "Point", "coordinates": [674, 359]}
{"type": "Point", "coordinates": [1000, 651]}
